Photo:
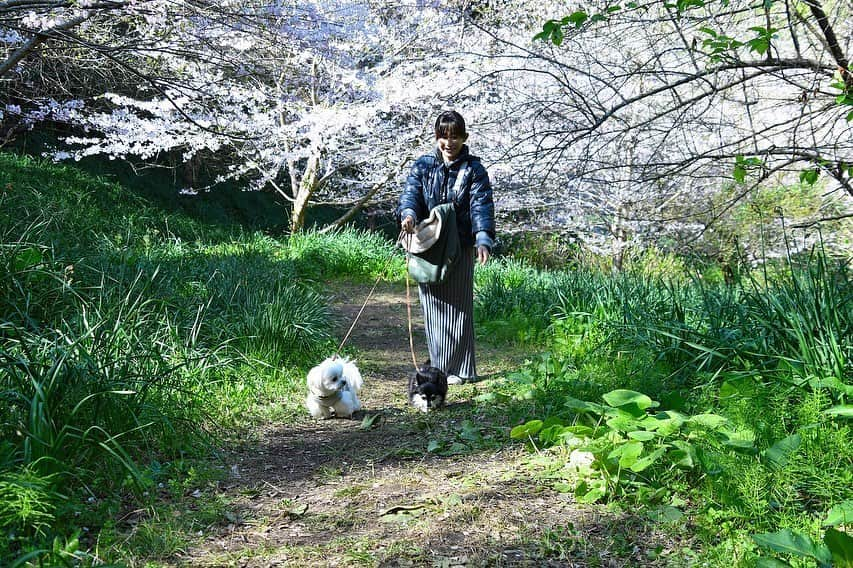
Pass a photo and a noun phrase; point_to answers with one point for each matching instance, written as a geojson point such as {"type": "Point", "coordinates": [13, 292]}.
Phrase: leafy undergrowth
{"type": "Point", "coordinates": [722, 409]}
{"type": "Point", "coordinates": [399, 487]}
{"type": "Point", "coordinates": [152, 386]}
{"type": "Point", "coordinates": [135, 345]}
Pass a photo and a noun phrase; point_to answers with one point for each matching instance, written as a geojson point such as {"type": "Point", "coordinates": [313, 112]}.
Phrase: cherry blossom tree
{"type": "Point", "coordinates": [324, 102]}
{"type": "Point", "coordinates": [636, 124]}
{"type": "Point", "coordinates": [619, 124]}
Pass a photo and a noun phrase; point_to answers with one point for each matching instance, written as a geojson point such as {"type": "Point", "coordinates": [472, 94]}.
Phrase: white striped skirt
{"type": "Point", "coordinates": [449, 319]}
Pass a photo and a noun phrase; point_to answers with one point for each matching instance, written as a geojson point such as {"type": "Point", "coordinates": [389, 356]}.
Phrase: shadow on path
{"type": "Point", "coordinates": [409, 489]}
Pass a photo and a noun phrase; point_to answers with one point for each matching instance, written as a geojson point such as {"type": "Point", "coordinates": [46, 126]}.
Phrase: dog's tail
{"type": "Point", "coordinates": [352, 375]}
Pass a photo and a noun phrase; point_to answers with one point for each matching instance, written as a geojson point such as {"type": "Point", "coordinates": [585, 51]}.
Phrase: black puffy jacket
{"type": "Point", "coordinates": [430, 182]}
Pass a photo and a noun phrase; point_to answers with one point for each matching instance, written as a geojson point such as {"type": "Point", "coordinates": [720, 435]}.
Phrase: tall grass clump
{"type": "Point", "coordinates": [285, 321]}
{"type": "Point", "coordinates": [514, 301]}
{"type": "Point", "coordinates": [351, 252]}
{"type": "Point", "coordinates": [128, 338]}
{"type": "Point", "coordinates": [794, 327]}
{"type": "Point", "coordinates": [579, 314]}
{"type": "Point", "coordinates": [804, 320]}
{"type": "Point", "coordinates": [85, 400]}
{"type": "Point", "coordinates": [789, 380]}
{"type": "Point", "coordinates": [747, 413]}
{"type": "Point", "coordinates": [253, 300]}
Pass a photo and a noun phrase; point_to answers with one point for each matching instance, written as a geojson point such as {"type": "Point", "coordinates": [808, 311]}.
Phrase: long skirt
{"type": "Point", "coordinates": [449, 320]}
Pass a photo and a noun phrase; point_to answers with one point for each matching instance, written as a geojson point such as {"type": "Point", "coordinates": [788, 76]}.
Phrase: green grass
{"type": "Point", "coordinates": [133, 339]}
{"type": "Point", "coordinates": [355, 254]}
{"type": "Point", "coordinates": [770, 356]}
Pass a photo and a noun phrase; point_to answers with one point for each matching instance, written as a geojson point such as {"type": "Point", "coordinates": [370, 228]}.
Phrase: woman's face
{"type": "Point", "coordinates": [450, 145]}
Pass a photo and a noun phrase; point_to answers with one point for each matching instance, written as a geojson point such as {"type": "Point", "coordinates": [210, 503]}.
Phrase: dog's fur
{"type": "Point", "coordinates": [333, 387]}
{"type": "Point", "coordinates": [427, 388]}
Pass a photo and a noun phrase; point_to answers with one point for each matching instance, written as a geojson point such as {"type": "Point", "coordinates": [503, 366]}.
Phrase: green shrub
{"type": "Point", "coordinates": [768, 361]}
{"type": "Point", "coordinates": [514, 301]}
{"type": "Point", "coordinates": [543, 251]}
{"type": "Point", "coordinates": [804, 320]}
{"type": "Point", "coordinates": [626, 447]}
{"type": "Point", "coordinates": [655, 263]}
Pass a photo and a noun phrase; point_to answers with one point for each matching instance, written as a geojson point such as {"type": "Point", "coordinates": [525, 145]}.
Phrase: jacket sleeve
{"type": "Point", "coordinates": [482, 204]}
{"type": "Point", "coordinates": [412, 201]}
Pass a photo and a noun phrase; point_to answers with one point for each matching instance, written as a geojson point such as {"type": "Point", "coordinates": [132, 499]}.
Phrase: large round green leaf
{"type": "Point", "coordinates": [623, 423]}
{"type": "Point", "coordinates": [648, 460]}
{"type": "Point", "coordinates": [712, 421]}
{"type": "Point", "coordinates": [628, 453]}
{"type": "Point", "coordinates": [582, 406]}
{"type": "Point", "coordinates": [685, 455]}
{"type": "Point", "coordinates": [841, 514]}
{"type": "Point", "coordinates": [840, 545]}
{"type": "Point", "coordinates": [623, 397]}
{"type": "Point", "coordinates": [641, 435]}
{"type": "Point", "coordinates": [786, 542]}
{"type": "Point", "coordinates": [777, 455]}
{"type": "Point", "coordinates": [522, 431]}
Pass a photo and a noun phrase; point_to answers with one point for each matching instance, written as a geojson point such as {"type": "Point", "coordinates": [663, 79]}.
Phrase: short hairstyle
{"type": "Point", "coordinates": [450, 123]}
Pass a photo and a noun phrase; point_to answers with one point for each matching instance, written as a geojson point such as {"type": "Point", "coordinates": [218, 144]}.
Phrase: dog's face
{"type": "Point", "coordinates": [327, 378]}
{"type": "Point", "coordinates": [428, 388]}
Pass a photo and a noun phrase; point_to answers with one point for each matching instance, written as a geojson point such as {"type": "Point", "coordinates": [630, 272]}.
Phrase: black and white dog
{"type": "Point", "coordinates": [427, 388]}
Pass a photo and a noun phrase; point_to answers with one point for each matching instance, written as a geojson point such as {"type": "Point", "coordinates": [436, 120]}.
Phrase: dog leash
{"type": "Point", "coordinates": [403, 234]}
{"type": "Point", "coordinates": [364, 305]}
{"type": "Point", "coordinates": [408, 238]}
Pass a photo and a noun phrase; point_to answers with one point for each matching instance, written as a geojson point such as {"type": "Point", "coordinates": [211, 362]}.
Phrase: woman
{"type": "Point", "coordinates": [449, 306]}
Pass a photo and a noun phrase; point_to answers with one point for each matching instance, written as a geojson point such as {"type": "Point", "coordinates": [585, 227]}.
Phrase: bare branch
{"type": "Point", "coordinates": [359, 205]}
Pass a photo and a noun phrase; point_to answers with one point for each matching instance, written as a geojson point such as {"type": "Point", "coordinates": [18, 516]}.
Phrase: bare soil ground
{"type": "Point", "coordinates": [346, 493]}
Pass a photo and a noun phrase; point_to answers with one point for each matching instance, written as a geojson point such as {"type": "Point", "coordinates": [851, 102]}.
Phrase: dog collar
{"type": "Point", "coordinates": [330, 399]}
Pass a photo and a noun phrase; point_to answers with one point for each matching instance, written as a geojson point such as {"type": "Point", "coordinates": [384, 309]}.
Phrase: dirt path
{"type": "Point", "coordinates": [344, 493]}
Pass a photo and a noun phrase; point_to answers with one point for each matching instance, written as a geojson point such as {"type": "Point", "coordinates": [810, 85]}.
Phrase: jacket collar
{"type": "Point", "coordinates": [463, 155]}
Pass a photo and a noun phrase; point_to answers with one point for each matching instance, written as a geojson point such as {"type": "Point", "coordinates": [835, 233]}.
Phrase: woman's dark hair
{"type": "Point", "coordinates": [450, 123]}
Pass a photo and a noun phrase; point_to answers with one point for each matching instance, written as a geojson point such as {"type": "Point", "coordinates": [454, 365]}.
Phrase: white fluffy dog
{"type": "Point", "coordinates": [333, 387]}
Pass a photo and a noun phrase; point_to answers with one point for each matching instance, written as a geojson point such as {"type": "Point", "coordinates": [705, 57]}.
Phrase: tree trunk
{"type": "Point", "coordinates": [620, 233]}
{"type": "Point", "coordinates": [832, 43]}
{"type": "Point", "coordinates": [361, 203]}
{"type": "Point", "coordinates": [306, 188]}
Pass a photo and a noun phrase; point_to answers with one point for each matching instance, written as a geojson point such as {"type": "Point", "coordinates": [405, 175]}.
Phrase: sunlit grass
{"type": "Point", "coordinates": [130, 337]}
{"type": "Point", "coordinates": [133, 340]}
{"type": "Point", "coordinates": [352, 253]}
{"type": "Point", "coordinates": [771, 355]}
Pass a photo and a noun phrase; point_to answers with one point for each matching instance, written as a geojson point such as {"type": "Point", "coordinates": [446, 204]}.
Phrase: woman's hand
{"type": "Point", "coordinates": [408, 224]}
{"type": "Point", "coordinates": [483, 254]}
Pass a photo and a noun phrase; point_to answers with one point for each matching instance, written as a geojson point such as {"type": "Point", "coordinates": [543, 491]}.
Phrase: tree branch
{"type": "Point", "coordinates": [363, 201]}
{"type": "Point", "coordinates": [831, 41]}
{"type": "Point", "coordinates": [38, 38]}
{"type": "Point", "coordinates": [821, 220]}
